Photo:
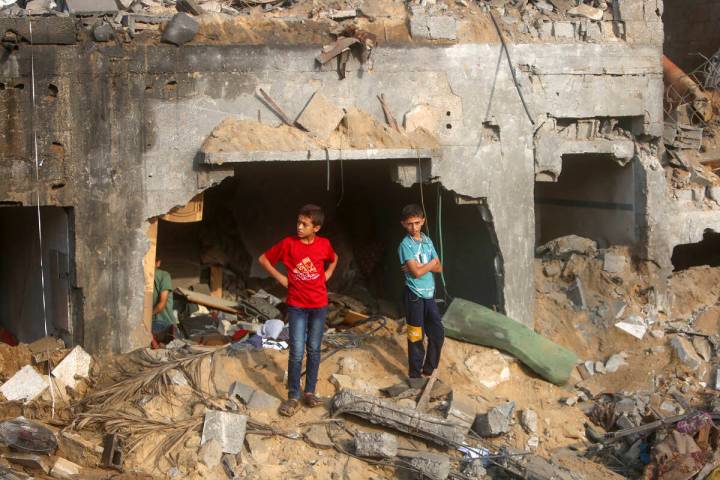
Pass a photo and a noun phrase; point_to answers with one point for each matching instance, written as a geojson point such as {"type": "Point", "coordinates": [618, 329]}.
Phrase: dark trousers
{"type": "Point", "coordinates": [306, 329]}
{"type": "Point", "coordinates": [423, 320]}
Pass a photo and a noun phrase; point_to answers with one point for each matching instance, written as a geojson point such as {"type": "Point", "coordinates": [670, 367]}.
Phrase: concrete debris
{"type": "Point", "coordinates": [26, 385]}
{"type": "Point", "coordinates": [432, 465]}
{"type": "Point", "coordinates": [42, 348]}
{"type": "Point", "coordinates": [473, 469]}
{"type": "Point", "coordinates": [65, 469]}
{"type": "Point", "coordinates": [189, 6]}
{"type": "Point", "coordinates": [563, 247]}
{"type": "Point", "coordinates": [30, 460]}
{"type": "Point", "coordinates": [614, 263]}
{"type": "Point", "coordinates": [375, 444]}
{"type": "Point", "coordinates": [181, 29]}
{"type": "Point", "coordinates": [408, 420]}
{"type": "Point", "coordinates": [210, 453]}
{"type": "Point", "coordinates": [320, 116]}
{"type": "Point", "coordinates": [528, 420]}
{"type": "Point", "coordinates": [75, 365]}
{"type": "Point", "coordinates": [586, 11]}
{"type": "Point", "coordinates": [488, 368]}
{"type": "Point", "coordinates": [576, 294]}
{"type": "Point", "coordinates": [686, 352]}
{"type": "Point", "coordinates": [635, 325]}
{"type": "Point", "coordinates": [533, 442]}
{"type": "Point", "coordinates": [600, 367]}
{"type": "Point", "coordinates": [263, 402]}
{"type": "Point", "coordinates": [702, 347]}
{"type": "Point", "coordinates": [91, 7]}
{"type": "Point", "coordinates": [496, 421]}
{"type": "Point", "coordinates": [461, 411]}
{"type": "Point", "coordinates": [241, 391]}
{"type": "Point", "coordinates": [225, 427]}
{"type": "Point", "coordinates": [103, 32]}
{"type": "Point", "coordinates": [589, 366]}
{"type": "Point", "coordinates": [615, 362]}
{"type": "Point", "coordinates": [348, 365]}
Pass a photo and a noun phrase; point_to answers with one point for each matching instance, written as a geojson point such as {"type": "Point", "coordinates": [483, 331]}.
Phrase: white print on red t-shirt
{"type": "Point", "coordinates": [305, 270]}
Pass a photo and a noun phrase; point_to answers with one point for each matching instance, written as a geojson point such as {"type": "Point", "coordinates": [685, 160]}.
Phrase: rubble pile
{"type": "Point", "coordinates": [641, 399]}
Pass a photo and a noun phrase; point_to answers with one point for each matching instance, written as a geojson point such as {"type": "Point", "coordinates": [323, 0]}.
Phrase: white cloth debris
{"type": "Point", "coordinates": [272, 328]}
{"type": "Point", "coordinates": [635, 325]}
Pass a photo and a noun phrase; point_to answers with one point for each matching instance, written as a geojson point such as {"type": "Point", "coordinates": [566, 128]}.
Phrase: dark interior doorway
{"type": "Point", "coordinates": [248, 213]}
{"type": "Point", "coordinates": [705, 252]}
{"type": "Point", "coordinates": [21, 278]}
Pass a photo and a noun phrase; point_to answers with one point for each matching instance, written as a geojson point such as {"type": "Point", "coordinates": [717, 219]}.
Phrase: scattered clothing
{"type": "Point", "coordinates": [272, 329]}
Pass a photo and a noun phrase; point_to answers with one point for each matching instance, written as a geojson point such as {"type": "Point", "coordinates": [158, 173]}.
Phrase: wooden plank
{"type": "Point", "coordinates": [208, 301]}
{"type": "Point", "coordinates": [216, 278]}
{"type": "Point", "coordinates": [425, 397]}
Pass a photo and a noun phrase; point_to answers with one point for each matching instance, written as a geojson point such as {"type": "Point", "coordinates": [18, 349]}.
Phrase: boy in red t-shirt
{"type": "Point", "coordinates": [304, 257]}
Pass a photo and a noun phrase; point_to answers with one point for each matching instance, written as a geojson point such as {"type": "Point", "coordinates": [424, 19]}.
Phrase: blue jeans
{"type": "Point", "coordinates": [306, 328]}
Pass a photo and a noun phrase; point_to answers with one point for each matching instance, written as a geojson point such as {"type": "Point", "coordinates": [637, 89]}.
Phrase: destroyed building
{"type": "Point", "coordinates": [513, 128]}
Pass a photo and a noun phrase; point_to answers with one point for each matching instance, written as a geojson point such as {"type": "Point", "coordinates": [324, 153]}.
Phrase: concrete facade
{"type": "Point", "coordinates": [131, 118]}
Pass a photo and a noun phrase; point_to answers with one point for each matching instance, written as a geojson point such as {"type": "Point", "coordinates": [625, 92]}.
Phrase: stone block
{"type": "Point", "coordinates": [263, 402]}
{"type": "Point", "coordinates": [76, 364]}
{"type": "Point", "coordinates": [631, 10]}
{"type": "Point", "coordinates": [442, 27]}
{"type": "Point", "coordinates": [495, 422]}
{"type": "Point", "coordinates": [564, 29]}
{"type": "Point", "coordinates": [686, 352]}
{"type": "Point", "coordinates": [432, 466]}
{"type": "Point", "coordinates": [180, 30]}
{"type": "Point", "coordinates": [210, 453]}
{"type": "Point", "coordinates": [594, 32]}
{"type": "Point", "coordinates": [91, 7]}
{"type": "Point", "coordinates": [614, 263]}
{"type": "Point", "coordinates": [528, 420]}
{"type": "Point", "coordinates": [375, 444]}
{"type": "Point", "coordinates": [103, 32]}
{"type": "Point", "coordinates": [419, 26]}
{"type": "Point", "coordinates": [65, 469]}
{"type": "Point", "coordinates": [225, 427]}
{"type": "Point", "coordinates": [320, 116]}
{"type": "Point", "coordinates": [586, 11]}
{"type": "Point", "coordinates": [241, 391]}
{"type": "Point", "coordinates": [489, 368]}
{"type": "Point", "coordinates": [615, 362]}
{"type": "Point", "coordinates": [25, 385]}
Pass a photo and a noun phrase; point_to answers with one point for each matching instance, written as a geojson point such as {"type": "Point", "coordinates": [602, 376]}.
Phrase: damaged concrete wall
{"type": "Point", "coordinates": [131, 119]}
{"type": "Point", "coordinates": [691, 29]}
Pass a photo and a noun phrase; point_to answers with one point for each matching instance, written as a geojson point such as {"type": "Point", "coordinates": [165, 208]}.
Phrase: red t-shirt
{"type": "Point", "coordinates": [305, 265]}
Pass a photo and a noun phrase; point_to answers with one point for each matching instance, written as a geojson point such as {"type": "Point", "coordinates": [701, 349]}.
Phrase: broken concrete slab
{"type": "Point", "coordinates": [432, 465]}
{"type": "Point", "coordinates": [563, 247]}
{"type": "Point", "coordinates": [488, 368]}
{"type": "Point", "coordinates": [30, 460]}
{"type": "Point", "coordinates": [375, 444]}
{"type": "Point", "coordinates": [586, 11]}
{"type": "Point", "coordinates": [495, 422]}
{"type": "Point", "coordinates": [210, 453]}
{"type": "Point", "coordinates": [263, 402]}
{"type": "Point", "coordinates": [462, 410]}
{"type": "Point", "coordinates": [91, 7]}
{"type": "Point", "coordinates": [320, 116]}
{"type": "Point", "coordinates": [473, 469]}
{"type": "Point", "coordinates": [42, 348]}
{"type": "Point", "coordinates": [75, 365]}
{"type": "Point", "coordinates": [470, 322]}
{"type": "Point", "coordinates": [686, 352]}
{"type": "Point", "coordinates": [26, 385]}
{"type": "Point", "coordinates": [408, 420]}
{"type": "Point", "coordinates": [65, 469]}
{"type": "Point", "coordinates": [181, 29]}
{"type": "Point", "coordinates": [225, 427]}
